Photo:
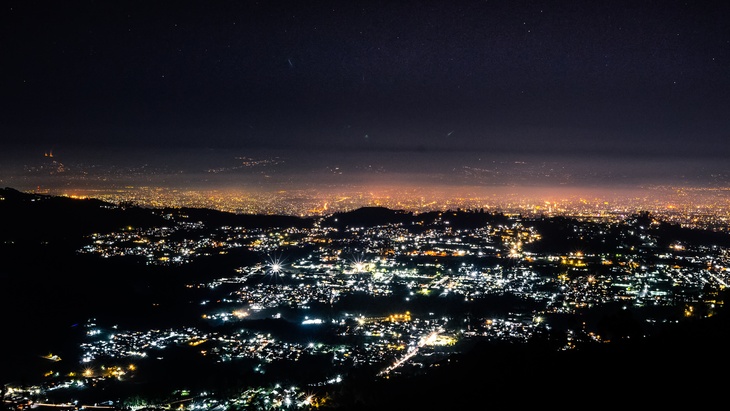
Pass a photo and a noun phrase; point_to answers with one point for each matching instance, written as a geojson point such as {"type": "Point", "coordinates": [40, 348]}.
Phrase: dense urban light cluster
{"type": "Point", "coordinates": [401, 296]}
{"type": "Point", "coordinates": [697, 207]}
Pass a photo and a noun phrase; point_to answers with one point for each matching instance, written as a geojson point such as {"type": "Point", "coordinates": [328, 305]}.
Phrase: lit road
{"type": "Point", "coordinates": [412, 352]}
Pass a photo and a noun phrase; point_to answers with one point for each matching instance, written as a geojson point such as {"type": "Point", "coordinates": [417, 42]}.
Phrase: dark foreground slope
{"type": "Point", "coordinates": [685, 365]}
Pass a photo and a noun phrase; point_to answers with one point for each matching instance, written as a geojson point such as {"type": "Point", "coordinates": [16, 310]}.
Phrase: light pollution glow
{"type": "Point", "coordinates": [315, 183]}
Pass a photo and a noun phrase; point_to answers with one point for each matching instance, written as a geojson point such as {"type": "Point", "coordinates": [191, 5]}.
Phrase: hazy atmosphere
{"type": "Point", "coordinates": [287, 94]}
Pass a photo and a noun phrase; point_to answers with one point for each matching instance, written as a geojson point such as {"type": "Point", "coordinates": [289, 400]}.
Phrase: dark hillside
{"type": "Point", "coordinates": [686, 365]}
{"type": "Point", "coordinates": [367, 217]}
{"type": "Point", "coordinates": [43, 218]}
{"type": "Point", "coordinates": [221, 218]}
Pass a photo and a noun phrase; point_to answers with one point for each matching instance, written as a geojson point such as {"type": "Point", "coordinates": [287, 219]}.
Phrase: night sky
{"type": "Point", "coordinates": [637, 89]}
